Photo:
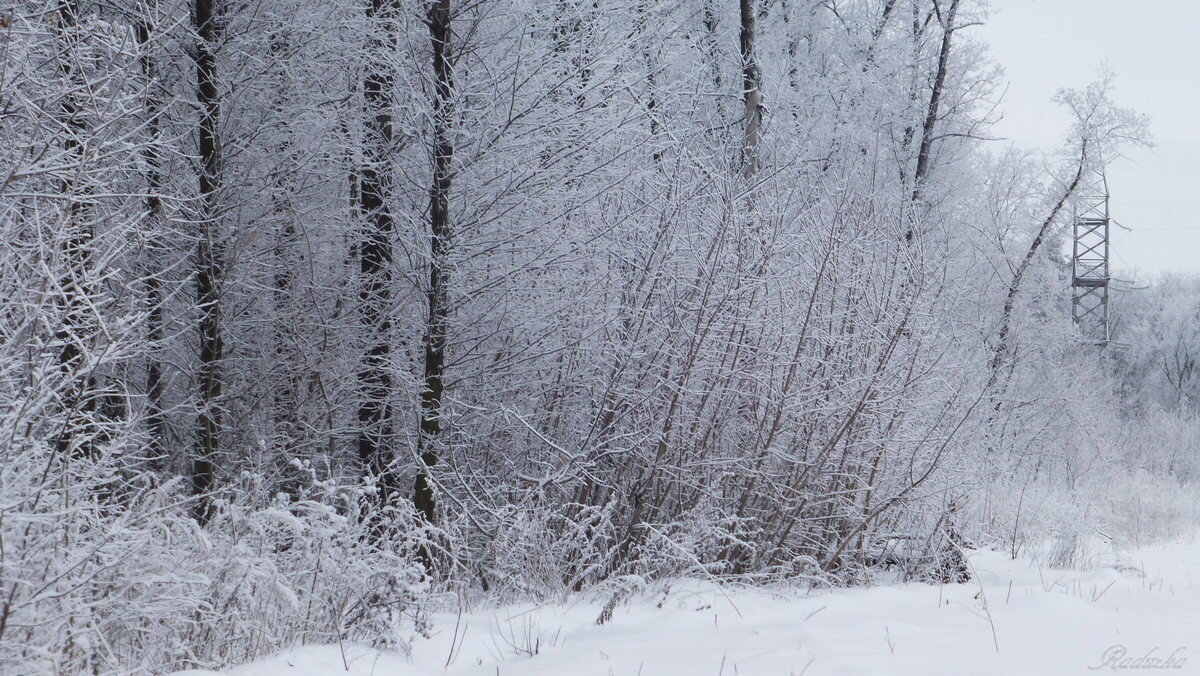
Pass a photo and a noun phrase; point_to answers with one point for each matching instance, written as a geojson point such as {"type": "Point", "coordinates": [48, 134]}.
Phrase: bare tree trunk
{"type": "Point", "coordinates": [285, 373]}
{"type": "Point", "coordinates": [375, 411]}
{"type": "Point", "coordinates": [155, 422]}
{"type": "Point", "coordinates": [285, 384]}
{"type": "Point", "coordinates": [375, 437]}
{"type": "Point", "coordinates": [935, 99]}
{"type": "Point", "coordinates": [751, 89]}
{"type": "Point", "coordinates": [651, 61]}
{"type": "Point", "coordinates": [711, 49]}
{"type": "Point", "coordinates": [76, 438]}
{"type": "Point", "coordinates": [208, 263]}
{"type": "Point", "coordinates": [424, 498]}
{"type": "Point", "coordinates": [1002, 344]}
{"type": "Point", "coordinates": [877, 32]}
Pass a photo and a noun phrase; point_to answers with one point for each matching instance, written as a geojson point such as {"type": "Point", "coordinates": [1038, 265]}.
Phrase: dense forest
{"type": "Point", "coordinates": [321, 314]}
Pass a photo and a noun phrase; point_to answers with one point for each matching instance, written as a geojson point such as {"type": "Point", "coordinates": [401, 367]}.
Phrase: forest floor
{"type": "Point", "coordinates": [1133, 612]}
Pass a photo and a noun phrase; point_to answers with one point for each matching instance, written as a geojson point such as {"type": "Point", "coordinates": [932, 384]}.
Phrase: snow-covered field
{"type": "Point", "coordinates": [1137, 612]}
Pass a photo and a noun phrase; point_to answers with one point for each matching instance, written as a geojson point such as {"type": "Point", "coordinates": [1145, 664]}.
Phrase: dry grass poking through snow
{"type": "Point", "coordinates": [1016, 618]}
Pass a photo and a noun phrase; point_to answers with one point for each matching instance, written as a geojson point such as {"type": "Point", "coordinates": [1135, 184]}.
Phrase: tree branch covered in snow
{"type": "Point", "coordinates": [319, 314]}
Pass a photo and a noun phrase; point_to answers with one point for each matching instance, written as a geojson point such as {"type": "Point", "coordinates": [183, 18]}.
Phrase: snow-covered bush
{"type": "Point", "coordinates": [96, 583]}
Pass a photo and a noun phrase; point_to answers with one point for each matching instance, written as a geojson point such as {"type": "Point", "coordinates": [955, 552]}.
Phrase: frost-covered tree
{"type": "Point", "coordinates": [317, 309]}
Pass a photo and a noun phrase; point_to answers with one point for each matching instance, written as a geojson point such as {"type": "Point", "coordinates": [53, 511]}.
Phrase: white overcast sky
{"type": "Point", "coordinates": [1152, 47]}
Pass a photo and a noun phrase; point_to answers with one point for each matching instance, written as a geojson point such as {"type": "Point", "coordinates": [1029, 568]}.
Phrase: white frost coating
{"type": "Point", "coordinates": [1019, 619]}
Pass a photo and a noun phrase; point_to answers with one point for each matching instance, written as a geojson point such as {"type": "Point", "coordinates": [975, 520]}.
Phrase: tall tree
{"type": "Point", "coordinates": [375, 437]}
{"type": "Point", "coordinates": [78, 324]}
{"type": "Point", "coordinates": [145, 26]}
{"type": "Point", "coordinates": [438, 296]}
{"type": "Point", "coordinates": [208, 260]}
{"type": "Point", "coordinates": [925, 147]}
{"type": "Point", "coordinates": [751, 87]}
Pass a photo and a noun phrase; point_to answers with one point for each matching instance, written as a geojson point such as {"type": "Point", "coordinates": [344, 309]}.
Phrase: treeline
{"type": "Point", "coordinates": [315, 312]}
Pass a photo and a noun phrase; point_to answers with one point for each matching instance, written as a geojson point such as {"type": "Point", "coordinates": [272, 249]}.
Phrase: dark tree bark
{"type": "Point", "coordinates": [877, 32]}
{"type": "Point", "coordinates": [1003, 348]}
{"type": "Point", "coordinates": [935, 99]}
{"type": "Point", "coordinates": [711, 42]}
{"type": "Point", "coordinates": [751, 88]}
{"type": "Point", "coordinates": [208, 263]}
{"type": "Point", "coordinates": [651, 61]}
{"type": "Point", "coordinates": [155, 421]}
{"type": "Point", "coordinates": [285, 376]}
{"type": "Point", "coordinates": [78, 435]}
{"type": "Point", "coordinates": [438, 20]}
{"type": "Point", "coordinates": [375, 438]}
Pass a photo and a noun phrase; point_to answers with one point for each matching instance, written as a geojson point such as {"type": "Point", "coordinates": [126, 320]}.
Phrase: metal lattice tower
{"type": "Point", "coordinates": [1090, 271]}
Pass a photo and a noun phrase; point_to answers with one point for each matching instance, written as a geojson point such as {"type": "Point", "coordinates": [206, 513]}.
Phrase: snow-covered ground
{"type": "Point", "coordinates": [1134, 613]}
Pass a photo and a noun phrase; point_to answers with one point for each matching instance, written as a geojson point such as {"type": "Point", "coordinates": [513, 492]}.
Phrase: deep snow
{"type": "Point", "coordinates": [1016, 618]}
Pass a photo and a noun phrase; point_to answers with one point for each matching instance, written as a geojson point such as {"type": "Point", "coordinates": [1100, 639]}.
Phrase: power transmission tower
{"type": "Point", "coordinates": [1090, 269]}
